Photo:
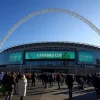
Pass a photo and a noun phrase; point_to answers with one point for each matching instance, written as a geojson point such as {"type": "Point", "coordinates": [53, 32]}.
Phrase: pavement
{"type": "Point", "coordinates": [40, 93]}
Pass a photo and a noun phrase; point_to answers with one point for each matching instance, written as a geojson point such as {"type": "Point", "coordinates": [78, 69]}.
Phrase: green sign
{"type": "Point", "coordinates": [15, 57]}
{"type": "Point", "coordinates": [50, 55]}
{"type": "Point", "coordinates": [85, 56]}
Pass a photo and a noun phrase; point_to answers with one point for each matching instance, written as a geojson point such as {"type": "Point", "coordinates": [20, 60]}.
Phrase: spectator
{"type": "Point", "coordinates": [28, 77]}
{"type": "Point", "coordinates": [97, 82]}
{"type": "Point", "coordinates": [58, 79]}
{"type": "Point", "coordinates": [50, 79]}
{"type": "Point", "coordinates": [69, 82]}
{"type": "Point", "coordinates": [1, 77]}
{"type": "Point", "coordinates": [10, 85]}
{"type": "Point", "coordinates": [33, 79]}
{"type": "Point", "coordinates": [45, 78]}
{"type": "Point", "coordinates": [22, 84]}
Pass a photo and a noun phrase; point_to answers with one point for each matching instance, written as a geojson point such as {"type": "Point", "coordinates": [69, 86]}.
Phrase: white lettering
{"type": "Point", "coordinates": [38, 55]}
{"type": "Point", "coordinates": [49, 55]}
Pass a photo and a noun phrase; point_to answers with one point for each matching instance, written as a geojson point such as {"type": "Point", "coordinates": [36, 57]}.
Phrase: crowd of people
{"type": "Point", "coordinates": [11, 82]}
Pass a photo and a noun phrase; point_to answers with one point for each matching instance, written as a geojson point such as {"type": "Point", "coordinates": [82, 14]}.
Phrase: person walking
{"type": "Point", "coordinates": [28, 77]}
{"type": "Point", "coordinates": [80, 83]}
{"type": "Point", "coordinates": [58, 79]}
{"type": "Point", "coordinates": [69, 82]}
{"type": "Point", "coordinates": [10, 85]}
{"type": "Point", "coordinates": [22, 84]}
{"type": "Point", "coordinates": [45, 78]}
{"type": "Point", "coordinates": [50, 79]}
{"type": "Point", "coordinates": [33, 79]}
{"type": "Point", "coordinates": [96, 82]}
{"type": "Point", "coordinates": [1, 77]}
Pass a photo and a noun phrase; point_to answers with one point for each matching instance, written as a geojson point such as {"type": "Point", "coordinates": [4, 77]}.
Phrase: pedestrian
{"type": "Point", "coordinates": [1, 77]}
{"type": "Point", "coordinates": [80, 82]}
{"type": "Point", "coordinates": [45, 79]}
{"type": "Point", "coordinates": [28, 77]}
{"type": "Point", "coordinates": [58, 79]}
{"type": "Point", "coordinates": [62, 79]}
{"type": "Point", "coordinates": [96, 82]}
{"type": "Point", "coordinates": [50, 79]}
{"type": "Point", "coordinates": [4, 81]}
{"type": "Point", "coordinates": [10, 85]}
{"type": "Point", "coordinates": [33, 79]}
{"type": "Point", "coordinates": [22, 84]}
{"type": "Point", "coordinates": [69, 82]}
{"type": "Point", "coordinates": [16, 83]}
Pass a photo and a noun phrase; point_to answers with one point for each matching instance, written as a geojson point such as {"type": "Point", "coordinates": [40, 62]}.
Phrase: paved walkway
{"type": "Point", "coordinates": [39, 93]}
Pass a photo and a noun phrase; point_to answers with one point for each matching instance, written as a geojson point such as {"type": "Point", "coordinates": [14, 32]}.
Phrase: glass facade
{"type": "Point", "coordinates": [82, 57]}
{"type": "Point", "coordinates": [88, 57]}
{"type": "Point", "coordinates": [15, 58]}
{"type": "Point", "coordinates": [4, 58]}
{"type": "Point", "coordinates": [11, 58]}
{"type": "Point", "coordinates": [45, 63]}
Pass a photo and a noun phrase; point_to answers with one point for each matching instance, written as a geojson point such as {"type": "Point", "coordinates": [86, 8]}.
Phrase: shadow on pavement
{"type": "Point", "coordinates": [75, 90]}
{"type": "Point", "coordinates": [59, 91]}
{"type": "Point", "coordinates": [39, 92]}
{"type": "Point", "coordinates": [84, 91]}
{"type": "Point", "coordinates": [89, 96]}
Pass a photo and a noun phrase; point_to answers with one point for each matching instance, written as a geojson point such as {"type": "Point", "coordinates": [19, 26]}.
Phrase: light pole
{"type": "Point", "coordinates": [21, 66]}
{"type": "Point", "coordinates": [76, 68]}
{"type": "Point", "coordinates": [86, 68]}
{"type": "Point", "coordinates": [30, 69]}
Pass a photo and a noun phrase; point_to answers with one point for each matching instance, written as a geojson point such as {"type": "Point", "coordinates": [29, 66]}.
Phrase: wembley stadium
{"type": "Point", "coordinates": [51, 57]}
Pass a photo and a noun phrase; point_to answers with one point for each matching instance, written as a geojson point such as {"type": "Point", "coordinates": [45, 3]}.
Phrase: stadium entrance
{"type": "Point", "coordinates": [49, 61]}
{"type": "Point", "coordinates": [46, 70]}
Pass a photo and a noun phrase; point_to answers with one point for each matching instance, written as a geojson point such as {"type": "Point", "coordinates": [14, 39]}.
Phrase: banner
{"type": "Point", "coordinates": [50, 55]}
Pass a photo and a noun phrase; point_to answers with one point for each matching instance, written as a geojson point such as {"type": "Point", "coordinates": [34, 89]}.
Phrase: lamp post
{"type": "Point", "coordinates": [86, 68]}
{"type": "Point", "coordinates": [76, 68]}
{"type": "Point", "coordinates": [21, 66]}
{"type": "Point", "coordinates": [30, 69]}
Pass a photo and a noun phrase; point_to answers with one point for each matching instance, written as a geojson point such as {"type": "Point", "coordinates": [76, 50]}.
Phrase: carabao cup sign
{"type": "Point", "coordinates": [50, 55]}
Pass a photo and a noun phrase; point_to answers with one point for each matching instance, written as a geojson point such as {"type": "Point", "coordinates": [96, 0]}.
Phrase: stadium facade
{"type": "Point", "coordinates": [51, 57]}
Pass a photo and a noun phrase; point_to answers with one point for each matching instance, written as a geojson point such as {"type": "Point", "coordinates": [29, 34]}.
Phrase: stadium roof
{"type": "Point", "coordinates": [52, 43]}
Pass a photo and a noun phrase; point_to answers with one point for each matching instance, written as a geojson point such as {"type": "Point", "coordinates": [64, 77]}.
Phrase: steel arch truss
{"type": "Point", "coordinates": [46, 11]}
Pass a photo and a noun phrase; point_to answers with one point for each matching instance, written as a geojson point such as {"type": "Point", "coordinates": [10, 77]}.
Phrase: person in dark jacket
{"type": "Point", "coordinates": [80, 82]}
{"type": "Point", "coordinates": [58, 79]}
{"type": "Point", "coordinates": [16, 83]}
{"type": "Point", "coordinates": [45, 78]}
{"type": "Point", "coordinates": [69, 82]}
{"type": "Point", "coordinates": [28, 77]}
{"type": "Point", "coordinates": [10, 85]}
{"type": "Point", "coordinates": [33, 79]}
{"type": "Point", "coordinates": [50, 79]}
{"type": "Point", "coordinates": [5, 80]}
{"type": "Point", "coordinates": [97, 83]}
{"type": "Point", "coordinates": [1, 77]}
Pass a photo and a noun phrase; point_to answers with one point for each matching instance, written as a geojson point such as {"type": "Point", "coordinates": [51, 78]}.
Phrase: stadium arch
{"type": "Point", "coordinates": [24, 19]}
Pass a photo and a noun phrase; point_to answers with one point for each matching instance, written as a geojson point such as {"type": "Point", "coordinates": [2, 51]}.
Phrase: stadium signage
{"type": "Point", "coordinates": [85, 57]}
{"type": "Point", "coordinates": [50, 55]}
{"type": "Point", "coordinates": [15, 57]}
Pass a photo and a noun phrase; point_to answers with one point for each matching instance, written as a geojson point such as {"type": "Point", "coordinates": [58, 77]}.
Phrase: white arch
{"type": "Point", "coordinates": [46, 11]}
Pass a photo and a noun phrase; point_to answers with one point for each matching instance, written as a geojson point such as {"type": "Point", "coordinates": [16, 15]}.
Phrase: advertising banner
{"type": "Point", "coordinates": [85, 57]}
{"type": "Point", "coordinates": [50, 55]}
{"type": "Point", "coordinates": [15, 57]}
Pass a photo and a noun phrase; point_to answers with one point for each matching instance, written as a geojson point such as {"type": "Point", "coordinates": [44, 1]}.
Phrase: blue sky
{"type": "Point", "coordinates": [51, 26]}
